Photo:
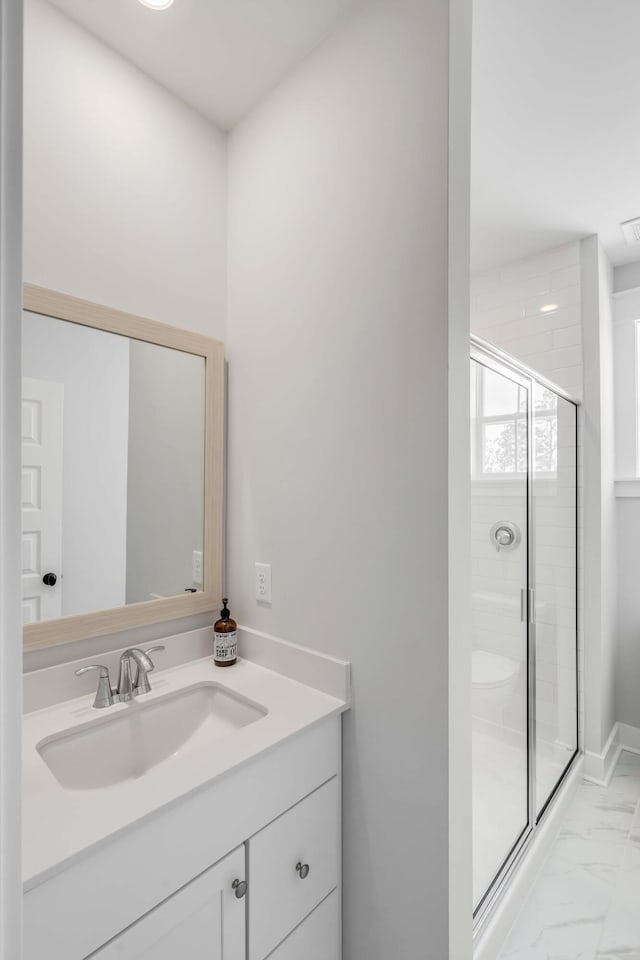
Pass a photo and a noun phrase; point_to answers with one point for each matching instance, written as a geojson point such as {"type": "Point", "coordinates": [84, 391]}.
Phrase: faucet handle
{"type": "Point", "coordinates": [104, 693]}
{"type": "Point", "coordinates": [141, 683]}
{"type": "Point", "coordinates": [155, 649]}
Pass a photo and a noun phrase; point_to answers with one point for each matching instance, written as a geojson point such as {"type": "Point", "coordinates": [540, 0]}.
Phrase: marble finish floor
{"type": "Point", "coordinates": [585, 904]}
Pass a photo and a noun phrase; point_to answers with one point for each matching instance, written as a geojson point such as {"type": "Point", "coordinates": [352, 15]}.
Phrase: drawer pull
{"type": "Point", "coordinates": [240, 887]}
{"type": "Point", "coordinates": [303, 870]}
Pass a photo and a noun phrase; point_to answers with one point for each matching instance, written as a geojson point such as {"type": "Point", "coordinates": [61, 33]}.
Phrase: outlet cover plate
{"type": "Point", "coordinates": [263, 582]}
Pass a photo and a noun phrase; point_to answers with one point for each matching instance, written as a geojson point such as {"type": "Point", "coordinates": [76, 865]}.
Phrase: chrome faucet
{"type": "Point", "coordinates": [128, 686]}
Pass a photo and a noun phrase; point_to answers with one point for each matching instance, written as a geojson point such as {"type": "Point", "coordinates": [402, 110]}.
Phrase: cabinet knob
{"type": "Point", "coordinates": [49, 579]}
{"type": "Point", "coordinates": [240, 887]}
{"type": "Point", "coordinates": [303, 870]}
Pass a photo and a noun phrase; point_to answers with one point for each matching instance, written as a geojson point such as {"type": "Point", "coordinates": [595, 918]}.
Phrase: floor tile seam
{"type": "Point", "coordinates": [601, 934]}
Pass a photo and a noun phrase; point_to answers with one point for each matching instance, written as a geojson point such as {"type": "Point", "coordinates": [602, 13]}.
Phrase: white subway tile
{"type": "Point", "coordinates": [550, 515]}
{"type": "Point", "coordinates": [514, 293]}
{"type": "Point", "coordinates": [525, 346]}
{"type": "Point", "coordinates": [568, 297]}
{"type": "Point", "coordinates": [556, 360]}
{"type": "Point", "coordinates": [568, 336]}
{"type": "Point", "coordinates": [485, 283]}
{"type": "Point", "coordinates": [539, 322]}
{"type": "Point", "coordinates": [566, 277]}
{"type": "Point", "coordinates": [566, 375]}
{"type": "Point", "coordinates": [567, 316]}
{"type": "Point", "coordinates": [556, 259]}
{"type": "Point", "coordinates": [572, 386]}
{"type": "Point", "coordinates": [480, 320]}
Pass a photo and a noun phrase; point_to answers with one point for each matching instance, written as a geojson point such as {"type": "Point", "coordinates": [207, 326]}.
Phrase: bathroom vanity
{"type": "Point", "coordinates": [200, 820]}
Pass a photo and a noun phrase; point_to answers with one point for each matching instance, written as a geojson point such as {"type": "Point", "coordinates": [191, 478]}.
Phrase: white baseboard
{"type": "Point", "coordinates": [629, 737]}
{"type": "Point", "coordinates": [599, 767]}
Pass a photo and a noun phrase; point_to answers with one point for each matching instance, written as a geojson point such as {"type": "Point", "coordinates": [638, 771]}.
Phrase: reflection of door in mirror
{"type": "Point", "coordinates": [42, 413]}
{"type": "Point", "coordinates": [131, 453]}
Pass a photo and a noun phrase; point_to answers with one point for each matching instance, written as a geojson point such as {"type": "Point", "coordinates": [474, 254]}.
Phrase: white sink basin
{"type": "Point", "coordinates": [139, 735]}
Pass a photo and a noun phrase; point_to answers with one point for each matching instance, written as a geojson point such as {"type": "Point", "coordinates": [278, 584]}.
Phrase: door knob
{"type": "Point", "coordinates": [49, 579]}
{"type": "Point", "coordinates": [303, 870]}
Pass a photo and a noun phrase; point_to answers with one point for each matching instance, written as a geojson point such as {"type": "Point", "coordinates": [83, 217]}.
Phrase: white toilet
{"type": "Point", "coordinates": [494, 681]}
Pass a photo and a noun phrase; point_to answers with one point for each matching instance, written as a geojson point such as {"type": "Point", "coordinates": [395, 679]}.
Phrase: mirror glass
{"type": "Point", "coordinates": [112, 470]}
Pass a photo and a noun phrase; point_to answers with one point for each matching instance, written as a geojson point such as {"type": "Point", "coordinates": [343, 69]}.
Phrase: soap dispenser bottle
{"type": "Point", "coordinates": [225, 638]}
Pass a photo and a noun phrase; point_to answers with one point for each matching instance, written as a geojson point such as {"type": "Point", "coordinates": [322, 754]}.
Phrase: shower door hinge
{"type": "Point", "coordinates": [527, 605]}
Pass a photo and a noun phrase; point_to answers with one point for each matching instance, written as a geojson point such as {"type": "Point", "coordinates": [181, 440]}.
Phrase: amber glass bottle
{"type": "Point", "coordinates": [225, 638]}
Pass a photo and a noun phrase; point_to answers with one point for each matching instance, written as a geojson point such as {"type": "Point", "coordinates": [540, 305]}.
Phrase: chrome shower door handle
{"type": "Point", "coordinates": [527, 605]}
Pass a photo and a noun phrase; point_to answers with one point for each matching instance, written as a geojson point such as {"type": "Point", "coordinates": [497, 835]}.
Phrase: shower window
{"type": "Point", "coordinates": [501, 419]}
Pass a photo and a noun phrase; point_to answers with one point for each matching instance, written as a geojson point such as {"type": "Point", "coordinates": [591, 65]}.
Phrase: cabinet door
{"type": "Point", "coordinates": [317, 937]}
{"type": "Point", "coordinates": [282, 894]}
{"type": "Point", "coordinates": [203, 921]}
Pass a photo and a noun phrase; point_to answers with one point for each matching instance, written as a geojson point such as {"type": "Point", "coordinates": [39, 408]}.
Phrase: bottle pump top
{"type": "Point", "coordinates": [224, 613]}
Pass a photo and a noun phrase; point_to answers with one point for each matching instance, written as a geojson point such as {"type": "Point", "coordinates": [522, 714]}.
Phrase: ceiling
{"type": "Point", "coordinates": [556, 126]}
{"type": "Point", "coordinates": [220, 56]}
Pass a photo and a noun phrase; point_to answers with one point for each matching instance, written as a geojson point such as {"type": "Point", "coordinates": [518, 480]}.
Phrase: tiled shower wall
{"type": "Point", "coordinates": [506, 311]}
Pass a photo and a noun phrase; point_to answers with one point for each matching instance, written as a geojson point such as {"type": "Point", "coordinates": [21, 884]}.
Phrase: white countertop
{"type": "Point", "coordinates": [61, 824]}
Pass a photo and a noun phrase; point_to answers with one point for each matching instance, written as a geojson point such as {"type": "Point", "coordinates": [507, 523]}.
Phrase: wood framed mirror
{"type": "Point", "coordinates": [122, 470]}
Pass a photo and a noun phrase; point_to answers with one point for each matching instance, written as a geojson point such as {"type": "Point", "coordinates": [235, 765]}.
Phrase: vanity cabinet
{"type": "Point", "coordinates": [204, 919]}
{"type": "Point", "coordinates": [163, 888]}
{"type": "Point", "coordinates": [292, 908]}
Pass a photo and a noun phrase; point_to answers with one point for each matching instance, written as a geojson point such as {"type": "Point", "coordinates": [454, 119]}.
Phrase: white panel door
{"type": "Point", "coordinates": [203, 921]}
{"type": "Point", "coordinates": [42, 412]}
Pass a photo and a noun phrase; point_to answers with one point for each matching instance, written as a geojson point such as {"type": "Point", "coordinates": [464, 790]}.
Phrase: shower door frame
{"type": "Point", "coordinates": [497, 360]}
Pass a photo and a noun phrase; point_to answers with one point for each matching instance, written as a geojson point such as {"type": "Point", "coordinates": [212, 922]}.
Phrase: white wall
{"type": "Point", "coordinates": [94, 368]}
{"type": "Point", "coordinates": [459, 513]}
{"type": "Point", "coordinates": [165, 520]}
{"type": "Point", "coordinates": [124, 186]}
{"type": "Point", "coordinates": [505, 309]}
{"type": "Point", "coordinates": [608, 557]}
{"type": "Point", "coordinates": [599, 535]}
{"type": "Point", "coordinates": [10, 552]}
{"type": "Point", "coordinates": [626, 276]}
{"type": "Point", "coordinates": [626, 316]}
{"type": "Point", "coordinates": [628, 628]}
{"type": "Point", "coordinates": [337, 343]}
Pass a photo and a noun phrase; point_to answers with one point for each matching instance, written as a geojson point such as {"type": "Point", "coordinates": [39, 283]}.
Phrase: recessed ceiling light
{"type": "Point", "coordinates": [548, 307]}
{"type": "Point", "coordinates": [157, 4]}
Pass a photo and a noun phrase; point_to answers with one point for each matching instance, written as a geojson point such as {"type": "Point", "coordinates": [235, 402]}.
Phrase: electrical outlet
{"type": "Point", "coordinates": [263, 582]}
{"type": "Point", "coordinates": [196, 568]}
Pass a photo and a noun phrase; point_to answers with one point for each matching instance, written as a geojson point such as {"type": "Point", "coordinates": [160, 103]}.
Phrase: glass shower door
{"type": "Point", "coordinates": [500, 443]}
{"type": "Point", "coordinates": [554, 525]}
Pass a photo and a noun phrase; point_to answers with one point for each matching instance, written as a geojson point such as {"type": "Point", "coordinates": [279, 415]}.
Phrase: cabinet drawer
{"type": "Point", "coordinates": [280, 897]}
{"type": "Point", "coordinates": [317, 937]}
